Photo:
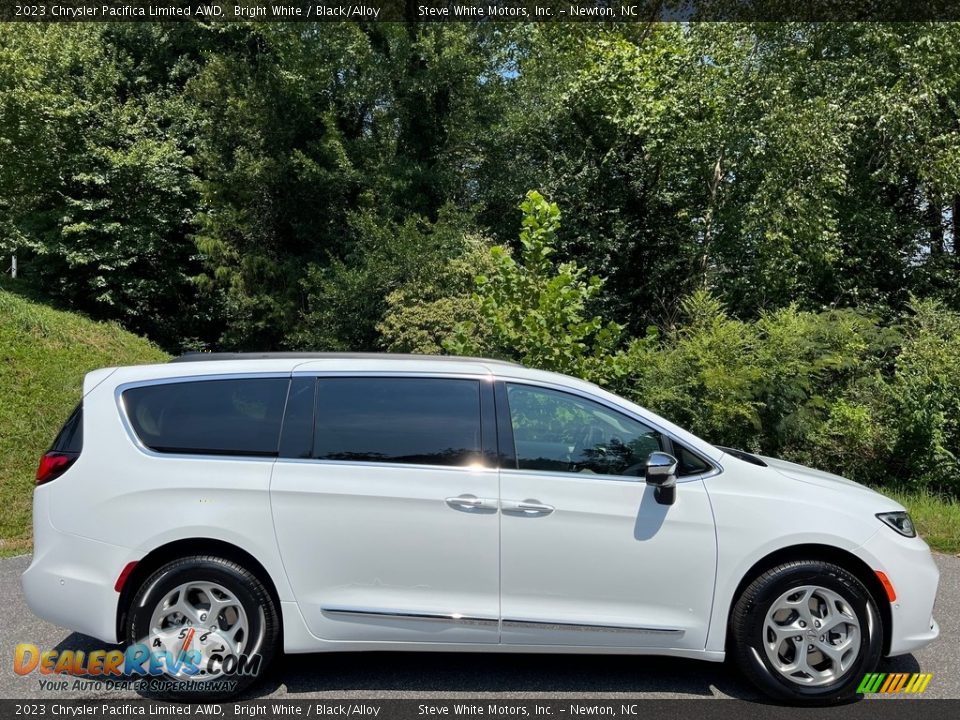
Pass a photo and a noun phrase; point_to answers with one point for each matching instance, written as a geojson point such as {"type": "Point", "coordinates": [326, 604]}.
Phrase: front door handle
{"type": "Point", "coordinates": [471, 502]}
{"type": "Point", "coordinates": [526, 508]}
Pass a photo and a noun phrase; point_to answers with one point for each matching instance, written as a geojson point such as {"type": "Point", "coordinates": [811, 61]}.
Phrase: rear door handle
{"type": "Point", "coordinates": [526, 508]}
{"type": "Point", "coordinates": [471, 502]}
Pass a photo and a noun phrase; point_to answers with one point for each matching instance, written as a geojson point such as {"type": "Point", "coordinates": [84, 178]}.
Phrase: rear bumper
{"type": "Point", "coordinates": [71, 578]}
{"type": "Point", "coordinates": [914, 575]}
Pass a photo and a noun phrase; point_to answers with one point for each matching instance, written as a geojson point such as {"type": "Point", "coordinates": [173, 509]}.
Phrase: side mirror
{"type": "Point", "coordinates": [662, 474]}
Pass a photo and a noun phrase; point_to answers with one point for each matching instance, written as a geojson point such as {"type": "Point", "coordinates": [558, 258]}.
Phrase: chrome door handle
{"type": "Point", "coordinates": [471, 502]}
{"type": "Point", "coordinates": [527, 508]}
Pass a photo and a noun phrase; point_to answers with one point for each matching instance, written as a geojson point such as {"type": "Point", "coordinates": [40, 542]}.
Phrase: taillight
{"type": "Point", "coordinates": [53, 465]}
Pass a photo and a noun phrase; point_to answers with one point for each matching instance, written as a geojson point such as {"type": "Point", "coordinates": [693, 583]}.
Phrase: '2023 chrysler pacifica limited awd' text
{"type": "Point", "coordinates": [233, 506]}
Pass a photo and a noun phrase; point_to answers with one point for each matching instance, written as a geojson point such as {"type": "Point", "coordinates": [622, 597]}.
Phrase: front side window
{"type": "Point", "coordinates": [560, 432]}
{"type": "Point", "coordinates": [426, 421]}
{"type": "Point", "coordinates": [210, 417]}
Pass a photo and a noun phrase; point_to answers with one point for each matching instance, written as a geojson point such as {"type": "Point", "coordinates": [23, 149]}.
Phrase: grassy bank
{"type": "Point", "coordinates": [44, 354]}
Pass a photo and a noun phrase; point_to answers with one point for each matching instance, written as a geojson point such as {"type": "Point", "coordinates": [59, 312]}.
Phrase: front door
{"type": "Point", "coordinates": [389, 528]}
{"type": "Point", "coordinates": [588, 556]}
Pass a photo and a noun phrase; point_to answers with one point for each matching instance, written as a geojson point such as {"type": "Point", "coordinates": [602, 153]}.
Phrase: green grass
{"type": "Point", "coordinates": [937, 518]}
{"type": "Point", "coordinates": [44, 354]}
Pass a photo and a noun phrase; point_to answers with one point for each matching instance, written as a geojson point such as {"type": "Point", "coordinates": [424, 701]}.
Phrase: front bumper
{"type": "Point", "coordinates": [71, 578]}
{"type": "Point", "coordinates": [914, 575]}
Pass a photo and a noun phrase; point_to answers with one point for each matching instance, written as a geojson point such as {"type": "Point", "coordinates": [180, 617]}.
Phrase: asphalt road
{"type": "Point", "coordinates": [460, 675]}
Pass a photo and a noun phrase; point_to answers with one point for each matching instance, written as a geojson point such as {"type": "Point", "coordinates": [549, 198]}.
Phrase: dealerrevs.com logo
{"type": "Point", "coordinates": [895, 683]}
{"type": "Point", "coordinates": [187, 663]}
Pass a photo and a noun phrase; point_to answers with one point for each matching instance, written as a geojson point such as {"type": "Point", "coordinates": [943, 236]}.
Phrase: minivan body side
{"type": "Point", "coordinates": [382, 555]}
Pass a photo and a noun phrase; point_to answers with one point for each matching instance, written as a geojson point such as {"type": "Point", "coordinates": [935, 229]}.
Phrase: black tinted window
{"type": "Point", "coordinates": [689, 464]}
{"type": "Point", "coordinates": [398, 420]}
{"type": "Point", "coordinates": [217, 417]}
{"type": "Point", "coordinates": [296, 437]}
{"type": "Point", "coordinates": [70, 437]}
{"type": "Point", "coordinates": [560, 432]}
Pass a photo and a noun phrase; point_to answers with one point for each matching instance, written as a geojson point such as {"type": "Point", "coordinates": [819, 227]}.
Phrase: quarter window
{"type": "Point", "coordinates": [210, 417]}
{"type": "Point", "coordinates": [70, 437]}
{"type": "Point", "coordinates": [689, 464]}
{"type": "Point", "coordinates": [425, 421]}
{"type": "Point", "coordinates": [560, 432]}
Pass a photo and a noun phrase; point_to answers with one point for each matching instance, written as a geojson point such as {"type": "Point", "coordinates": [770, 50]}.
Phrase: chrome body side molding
{"type": "Point", "coordinates": [507, 624]}
{"type": "Point", "coordinates": [360, 613]}
{"type": "Point", "coordinates": [578, 627]}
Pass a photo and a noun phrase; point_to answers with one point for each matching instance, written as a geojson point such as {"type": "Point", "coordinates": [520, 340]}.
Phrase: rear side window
{"type": "Point", "coordinates": [70, 437]}
{"type": "Point", "coordinates": [211, 417]}
{"type": "Point", "coordinates": [398, 420]}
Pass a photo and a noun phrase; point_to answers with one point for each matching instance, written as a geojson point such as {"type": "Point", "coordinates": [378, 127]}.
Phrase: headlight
{"type": "Point", "coordinates": [899, 521]}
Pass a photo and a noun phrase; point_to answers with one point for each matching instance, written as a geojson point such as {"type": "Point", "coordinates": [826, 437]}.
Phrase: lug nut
{"type": "Point", "coordinates": [802, 624]}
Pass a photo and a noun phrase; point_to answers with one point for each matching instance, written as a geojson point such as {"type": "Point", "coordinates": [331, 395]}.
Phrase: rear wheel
{"type": "Point", "coordinates": [807, 631]}
{"type": "Point", "coordinates": [212, 622]}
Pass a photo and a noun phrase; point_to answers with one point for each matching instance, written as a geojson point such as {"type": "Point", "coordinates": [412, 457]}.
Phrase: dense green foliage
{"type": "Point", "coordinates": [266, 185]}
{"type": "Point", "coordinates": [759, 231]}
{"type": "Point", "coordinates": [44, 354]}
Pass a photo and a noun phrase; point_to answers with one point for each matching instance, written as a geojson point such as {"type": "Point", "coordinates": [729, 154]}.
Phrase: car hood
{"type": "Point", "coordinates": [812, 476]}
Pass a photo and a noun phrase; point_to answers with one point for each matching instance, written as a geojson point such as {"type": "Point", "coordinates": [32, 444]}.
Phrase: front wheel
{"type": "Point", "coordinates": [807, 632]}
{"type": "Point", "coordinates": [205, 626]}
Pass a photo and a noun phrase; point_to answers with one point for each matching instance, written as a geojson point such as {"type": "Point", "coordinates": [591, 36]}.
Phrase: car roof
{"type": "Point", "coordinates": [238, 363]}
{"type": "Point", "coordinates": [220, 356]}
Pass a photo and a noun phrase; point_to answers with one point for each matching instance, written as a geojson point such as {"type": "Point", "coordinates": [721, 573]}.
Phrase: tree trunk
{"type": "Point", "coordinates": [713, 185]}
{"type": "Point", "coordinates": [935, 223]}
{"type": "Point", "coordinates": [956, 224]}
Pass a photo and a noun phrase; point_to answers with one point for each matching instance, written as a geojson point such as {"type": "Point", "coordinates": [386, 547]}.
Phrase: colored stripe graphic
{"type": "Point", "coordinates": [918, 683]}
{"type": "Point", "coordinates": [901, 679]}
{"type": "Point", "coordinates": [871, 682]}
{"type": "Point", "coordinates": [893, 683]}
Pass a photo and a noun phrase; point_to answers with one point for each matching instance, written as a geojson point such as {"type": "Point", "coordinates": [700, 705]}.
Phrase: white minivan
{"type": "Point", "coordinates": [224, 507]}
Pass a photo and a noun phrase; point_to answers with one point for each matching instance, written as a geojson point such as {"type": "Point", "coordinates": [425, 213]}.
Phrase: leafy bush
{"type": "Point", "coordinates": [534, 312]}
{"type": "Point", "coordinates": [346, 300]}
{"type": "Point", "coordinates": [915, 413]}
{"type": "Point", "coordinates": [837, 390]}
{"type": "Point", "coordinates": [421, 315]}
{"type": "Point", "coordinates": [703, 375]}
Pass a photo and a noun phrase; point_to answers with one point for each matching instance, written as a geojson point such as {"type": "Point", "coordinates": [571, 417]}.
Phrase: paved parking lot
{"type": "Point", "coordinates": [451, 675]}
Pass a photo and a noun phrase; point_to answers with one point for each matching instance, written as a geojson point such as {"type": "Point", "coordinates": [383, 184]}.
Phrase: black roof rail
{"type": "Point", "coordinates": [211, 356]}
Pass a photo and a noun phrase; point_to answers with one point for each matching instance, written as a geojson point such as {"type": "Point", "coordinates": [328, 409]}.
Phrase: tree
{"type": "Point", "coordinates": [535, 312]}
{"type": "Point", "coordinates": [319, 138]}
{"type": "Point", "coordinates": [95, 192]}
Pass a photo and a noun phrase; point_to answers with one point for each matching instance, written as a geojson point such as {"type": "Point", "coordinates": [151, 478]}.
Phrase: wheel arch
{"type": "Point", "coordinates": [811, 551]}
{"type": "Point", "coordinates": [160, 556]}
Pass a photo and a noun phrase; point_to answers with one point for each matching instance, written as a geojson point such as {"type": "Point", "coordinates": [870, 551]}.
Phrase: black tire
{"type": "Point", "coordinates": [747, 631]}
{"type": "Point", "coordinates": [260, 609]}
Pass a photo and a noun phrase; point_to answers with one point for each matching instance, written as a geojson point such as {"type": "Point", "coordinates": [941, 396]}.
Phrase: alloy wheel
{"type": "Point", "coordinates": [811, 635]}
{"type": "Point", "coordinates": [199, 616]}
